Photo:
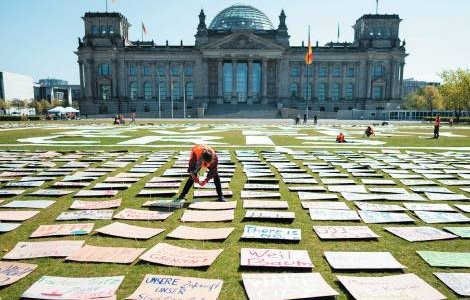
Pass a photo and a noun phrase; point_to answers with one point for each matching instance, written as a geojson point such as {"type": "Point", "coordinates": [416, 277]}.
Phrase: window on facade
{"type": "Point", "coordinates": [349, 91]}
{"type": "Point", "coordinates": [147, 71]}
{"type": "Point", "coordinates": [294, 89]}
{"type": "Point", "coordinates": [174, 71]}
{"type": "Point", "coordinates": [111, 29]}
{"type": "Point", "coordinates": [227, 79]}
{"type": "Point", "coordinates": [294, 71]}
{"type": "Point", "coordinates": [323, 71]}
{"type": "Point", "coordinates": [175, 91]}
{"type": "Point", "coordinates": [378, 92]}
{"type": "Point", "coordinates": [133, 91]}
{"type": "Point", "coordinates": [351, 72]}
{"type": "Point", "coordinates": [104, 70]}
{"type": "Point", "coordinates": [162, 90]}
{"type": "Point", "coordinates": [336, 109]}
{"type": "Point", "coordinates": [335, 91]}
{"type": "Point", "coordinates": [309, 91]}
{"type": "Point", "coordinates": [147, 91]}
{"type": "Point", "coordinates": [189, 91]}
{"type": "Point", "coordinates": [146, 108]}
{"type": "Point", "coordinates": [321, 93]}
{"type": "Point", "coordinates": [256, 84]}
{"type": "Point", "coordinates": [188, 71]}
{"type": "Point", "coordinates": [379, 71]}
{"type": "Point", "coordinates": [94, 30]}
{"type": "Point", "coordinates": [132, 71]}
{"type": "Point", "coordinates": [337, 71]}
{"type": "Point", "coordinates": [105, 91]}
{"type": "Point", "coordinates": [103, 30]}
{"type": "Point", "coordinates": [242, 81]}
{"type": "Point", "coordinates": [322, 108]}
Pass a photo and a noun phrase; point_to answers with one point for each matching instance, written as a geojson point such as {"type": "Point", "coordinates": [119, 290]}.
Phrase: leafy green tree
{"type": "Point", "coordinates": [456, 90]}
{"type": "Point", "coordinates": [425, 98]}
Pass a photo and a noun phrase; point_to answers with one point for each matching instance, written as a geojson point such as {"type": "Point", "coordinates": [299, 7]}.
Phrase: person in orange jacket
{"type": "Point", "coordinates": [341, 138]}
{"type": "Point", "coordinates": [202, 157]}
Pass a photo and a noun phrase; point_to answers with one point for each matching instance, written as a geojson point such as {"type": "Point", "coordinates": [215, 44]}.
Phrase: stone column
{"type": "Point", "coordinates": [250, 82]}
{"type": "Point", "coordinates": [344, 70]}
{"type": "Point", "coordinates": [169, 83]}
{"type": "Point", "coordinates": [82, 82]}
{"type": "Point", "coordinates": [330, 81]}
{"type": "Point", "coordinates": [114, 79]}
{"type": "Point", "coordinates": [140, 83]}
{"type": "Point", "coordinates": [234, 82]}
{"type": "Point", "coordinates": [369, 80]}
{"type": "Point", "coordinates": [264, 75]}
{"type": "Point", "coordinates": [123, 79]}
{"type": "Point", "coordinates": [303, 73]}
{"type": "Point", "coordinates": [402, 69]}
{"type": "Point", "coordinates": [220, 85]}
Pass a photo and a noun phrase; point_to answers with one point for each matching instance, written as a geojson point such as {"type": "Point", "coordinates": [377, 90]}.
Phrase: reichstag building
{"type": "Point", "coordinates": [240, 60]}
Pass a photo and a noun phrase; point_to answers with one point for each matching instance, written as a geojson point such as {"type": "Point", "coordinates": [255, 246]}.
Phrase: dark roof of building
{"type": "Point", "coordinates": [103, 14]}
{"type": "Point", "coordinates": [379, 16]}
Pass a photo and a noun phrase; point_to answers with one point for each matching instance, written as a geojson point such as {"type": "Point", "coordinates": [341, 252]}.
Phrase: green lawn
{"type": "Point", "coordinates": [226, 267]}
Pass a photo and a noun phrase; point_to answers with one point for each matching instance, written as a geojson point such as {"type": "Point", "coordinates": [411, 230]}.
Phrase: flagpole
{"type": "Point", "coordinates": [306, 86]}
{"type": "Point", "coordinates": [184, 95]}
{"type": "Point", "coordinates": [377, 7]}
{"type": "Point", "coordinates": [106, 5]}
{"type": "Point", "coordinates": [142, 29]}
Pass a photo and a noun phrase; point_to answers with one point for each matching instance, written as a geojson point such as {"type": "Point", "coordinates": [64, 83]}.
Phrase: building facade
{"type": "Point", "coordinates": [16, 87]}
{"type": "Point", "coordinates": [412, 85]}
{"type": "Point", "coordinates": [240, 59]}
{"type": "Point", "coordinates": [57, 89]}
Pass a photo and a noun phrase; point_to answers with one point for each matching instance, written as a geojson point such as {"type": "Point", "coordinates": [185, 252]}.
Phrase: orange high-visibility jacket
{"type": "Point", "coordinates": [196, 163]}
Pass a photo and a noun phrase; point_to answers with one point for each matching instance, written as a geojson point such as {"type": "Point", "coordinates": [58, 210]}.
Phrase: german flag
{"type": "Point", "coordinates": [309, 55]}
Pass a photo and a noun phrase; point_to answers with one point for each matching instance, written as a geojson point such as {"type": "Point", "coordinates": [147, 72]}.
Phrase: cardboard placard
{"type": "Point", "coordinates": [344, 232]}
{"type": "Point", "coordinates": [286, 286]}
{"type": "Point", "coordinates": [403, 287]}
{"type": "Point", "coordinates": [207, 215]}
{"type": "Point", "coordinates": [117, 255]}
{"type": "Point", "coordinates": [67, 288]}
{"type": "Point", "coordinates": [334, 215]}
{"type": "Point", "coordinates": [420, 234]}
{"type": "Point", "coordinates": [362, 261]}
{"type": "Point", "coordinates": [200, 234]}
{"type": "Point", "coordinates": [91, 205]}
{"type": "Point", "coordinates": [275, 258]}
{"type": "Point", "coordinates": [86, 215]}
{"type": "Point", "coordinates": [29, 204]}
{"type": "Point", "coordinates": [62, 229]}
{"type": "Point", "coordinates": [265, 214]}
{"type": "Point", "coordinates": [446, 259]}
{"type": "Point", "coordinates": [143, 215]}
{"type": "Point", "coordinates": [177, 288]}
{"type": "Point", "coordinates": [463, 232]}
{"type": "Point", "coordinates": [431, 217]}
{"type": "Point", "coordinates": [129, 231]}
{"type": "Point", "coordinates": [16, 215]}
{"type": "Point", "coordinates": [11, 272]}
{"type": "Point", "coordinates": [271, 233]}
{"type": "Point", "coordinates": [378, 217]}
{"type": "Point", "coordinates": [96, 193]}
{"type": "Point", "coordinates": [6, 227]}
{"type": "Point", "coordinates": [265, 204]}
{"type": "Point", "coordinates": [458, 282]}
{"type": "Point", "coordinates": [206, 205]}
{"type": "Point", "coordinates": [26, 250]}
{"type": "Point", "coordinates": [169, 255]}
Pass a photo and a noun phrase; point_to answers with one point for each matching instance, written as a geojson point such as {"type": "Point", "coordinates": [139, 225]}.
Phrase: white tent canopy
{"type": "Point", "coordinates": [71, 110]}
{"type": "Point", "coordinates": [57, 110]}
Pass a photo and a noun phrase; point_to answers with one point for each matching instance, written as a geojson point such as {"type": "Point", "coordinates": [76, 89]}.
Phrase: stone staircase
{"type": "Point", "coordinates": [242, 111]}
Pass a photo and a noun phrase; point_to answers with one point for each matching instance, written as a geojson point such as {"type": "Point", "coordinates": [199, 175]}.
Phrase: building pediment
{"type": "Point", "coordinates": [243, 40]}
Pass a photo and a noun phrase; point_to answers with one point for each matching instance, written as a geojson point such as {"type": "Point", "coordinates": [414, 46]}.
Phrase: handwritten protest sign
{"type": "Point", "coordinates": [165, 254]}
{"type": "Point", "coordinates": [129, 231]}
{"type": "Point", "coordinates": [207, 216]}
{"type": "Point", "coordinates": [176, 204]}
{"type": "Point", "coordinates": [446, 259]}
{"type": "Point", "coordinates": [264, 214]}
{"type": "Point", "coordinates": [431, 217]}
{"type": "Point", "coordinates": [463, 232]}
{"type": "Point", "coordinates": [144, 215]}
{"type": "Point", "coordinates": [403, 287]}
{"type": "Point", "coordinates": [11, 272]}
{"type": "Point", "coordinates": [265, 204]}
{"type": "Point", "coordinates": [17, 215]}
{"type": "Point", "coordinates": [29, 204]}
{"type": "Point", "coordinates": [271, 233]}
{"type": "Point", "coordinates": [85, 215]}
{"type": "Point", "coordinates": [51, 193]}
{"type": "Point", "coordinates": [62, 229]}
{"type": "Point", "coordinates": [379, 207]}
{"type": "Point", "coordinates": [333, 215]}
{"type": "Point", "coordinates": [324, 205]}
{"type": "Point", "coordinates": [317, 196]}
{"type": "Point", "coordinates": [177, 288]}
{"type": "Point", "coordinates": [284, 286]}
{"type": "Point", "coordinates": [67, 288]}
{"type": "Point", "coordinates": [25, 250]}
{"type": "Point", "coordinates": [377, 217]}
{"type": "Point", "coordinates": [158, 192]}
{"type": "Point", "coordinates": [200, 234]}
{"type": "Point", "coordinates": [420, 234]}
{"type": "Point", "coordinates": [211, 205]}
{"type": "Point", "coordinates": [96, 193]}
{"type": "Point", "coordinates": [458, 282]}
{"type": "Point", "coordinates": [118, 255]}
{"type": "Point", "coordinates": [10, 193]}
{"type": "Point", "coordinates": [89, 205]}
{"type": "Point", "coordinates": [6, 227]}
{"type": "Point", "coordinates": [362, 260]}
{"type": "Point", "coordinates": [258, 195]}
{"type": "Point", "coordinates": [344, 232]}
{"type": "Point", "coordinates": [275, 258]}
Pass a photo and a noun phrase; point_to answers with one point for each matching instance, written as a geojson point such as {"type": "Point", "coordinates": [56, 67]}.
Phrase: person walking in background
{"type": "Point", "coordinates": [132, 119]}
{"type": "Point", "coordinates": [437, 126]}
{"type": "Point", "coordinates": [202, 157]}
{"type": "Point", "coordinates": [315, 119]}
{"type": "Point", "coordinates": [305, 119]}
{"type": "Point", "coordinates": [297, 120]}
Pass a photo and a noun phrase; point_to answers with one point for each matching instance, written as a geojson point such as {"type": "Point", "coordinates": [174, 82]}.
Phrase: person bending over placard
{"type": "Point", "coordinates": [202, 157]}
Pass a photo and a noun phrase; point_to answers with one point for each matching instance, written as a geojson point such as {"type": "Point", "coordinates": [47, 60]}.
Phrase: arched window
{"type": "Point", "coordinates": [378, 92]}
{"type": "Point", "coordinates": [294, 71]}
{"type": "Point", "coordinates": [294, 89]}
{"type": "Point", "coordinates": [188, 71]}
{"type": "Point", "coordinates": [161, 71]}
{"type": "Point", "coordinates": [337, 71]}
{"type": "Point", "coordinates": [379, 71]}
{"type": "Point", "coordinates": [321, 93]}
{"type": "Point", "coordinates": [175, 91]}
{"type": "Point", "coordinates": [94, 30]}
{"type": "Point", "coordinates": [104, 69]}
{"type": "Point", "coordinates": [103, 29]}
{"type": "Point", "coordinates": [323, 71]}
{"type": "Point", "coordinates": [133, 91]}
{"type": "Point", "coordinates": [147, 91]}
{"type": "Point", "coordinates": [335, 91]}
{"type": "Point", "coordinates": [132, 71]}
{"type": "Point", "coordinates": [349, 91]}
{"type": "Point", "coordinates": [147, 71]}
{"type": "Point", "coordinates": [162, 90]}
{"type": "Point", "coordinates": [189, 91]}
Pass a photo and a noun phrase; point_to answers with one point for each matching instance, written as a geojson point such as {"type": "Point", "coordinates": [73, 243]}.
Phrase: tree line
{"type": "Point", "coordinates": [452, 94]}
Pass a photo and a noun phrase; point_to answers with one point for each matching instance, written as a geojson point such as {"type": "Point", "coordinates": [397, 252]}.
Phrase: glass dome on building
{"type": "Point", "coordinates": [241, 17]}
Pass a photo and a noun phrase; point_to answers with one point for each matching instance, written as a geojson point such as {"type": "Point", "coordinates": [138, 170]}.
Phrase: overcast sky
{"type": "Point", "coordinates": [38, 37]}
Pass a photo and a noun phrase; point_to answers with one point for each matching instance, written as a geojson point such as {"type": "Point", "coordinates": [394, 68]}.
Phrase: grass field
{"type": "Point", "coordinates": [226, 267]}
